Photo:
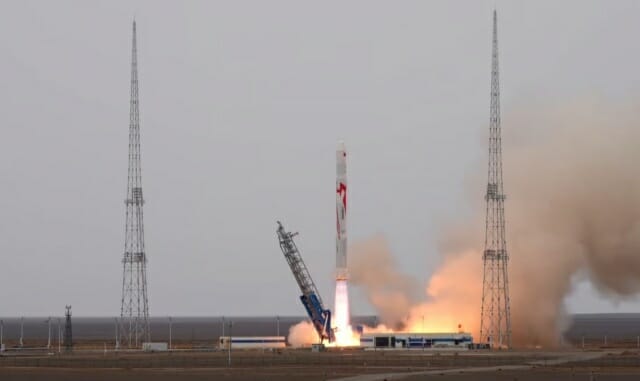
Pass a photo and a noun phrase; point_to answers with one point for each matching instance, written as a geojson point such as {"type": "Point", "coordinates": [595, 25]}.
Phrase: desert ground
{"type": "Point", "coordinates": [352, 365]}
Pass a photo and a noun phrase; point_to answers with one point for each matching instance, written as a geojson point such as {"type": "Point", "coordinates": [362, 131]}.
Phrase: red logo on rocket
{"type": "Point", "coordinates": [342, 194]}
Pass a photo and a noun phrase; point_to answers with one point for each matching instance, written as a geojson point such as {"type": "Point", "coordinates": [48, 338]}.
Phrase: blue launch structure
{"type": "Point", "coordinates": [310, 298]}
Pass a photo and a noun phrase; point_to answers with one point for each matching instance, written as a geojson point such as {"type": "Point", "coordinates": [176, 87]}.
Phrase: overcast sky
{"type": "Point", "coordinates": [242, 103]}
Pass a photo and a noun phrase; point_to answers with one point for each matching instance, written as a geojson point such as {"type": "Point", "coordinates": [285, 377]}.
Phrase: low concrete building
{"type": "Point", "coordinates": [252, 342]}
{"type": "Point", "coordinates": [416, 340]}
{"type": "Point", "coordinates": [155, 347]}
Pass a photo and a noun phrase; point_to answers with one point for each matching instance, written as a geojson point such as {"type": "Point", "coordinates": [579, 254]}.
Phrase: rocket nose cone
{"type": "Point", "coordinates": [341, 146]}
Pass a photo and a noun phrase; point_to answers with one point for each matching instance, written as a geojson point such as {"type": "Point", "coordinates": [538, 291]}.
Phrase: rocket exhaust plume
{"type": "Point", "coordinates": [573, 212]}
{"type": "Point", "coordinates": [342, 316]}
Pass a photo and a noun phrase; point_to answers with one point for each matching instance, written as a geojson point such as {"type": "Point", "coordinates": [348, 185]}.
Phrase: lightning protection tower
{"type": "Point", "coordinates": [68, 336]}
{"type": "Point", "coordinates": [495, 315]}
{"type": "Point", "coordinates": [134, 310]}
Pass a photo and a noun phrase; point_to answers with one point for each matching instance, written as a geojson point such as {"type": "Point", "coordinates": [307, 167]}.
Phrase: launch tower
{"type": "Point", "coordinates": [495, 315]}
{"type": "Point", "coordinates": [134, 310]}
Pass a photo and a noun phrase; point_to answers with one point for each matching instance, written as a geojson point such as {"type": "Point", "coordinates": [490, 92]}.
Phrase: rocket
{"type": "Point", "coordinates": [341, 212]}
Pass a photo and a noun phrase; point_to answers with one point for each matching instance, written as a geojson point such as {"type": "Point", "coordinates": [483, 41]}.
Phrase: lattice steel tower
{"type": "Point", "coordinates": [495, 315]}
{"type": "Point", "coordinates": [134, 311]}
{"type": "Point", "coordinates": [68, 335]}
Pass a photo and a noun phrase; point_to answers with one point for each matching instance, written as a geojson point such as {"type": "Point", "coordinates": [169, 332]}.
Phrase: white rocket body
{"type": "Point", "coordinates": [341, 212]}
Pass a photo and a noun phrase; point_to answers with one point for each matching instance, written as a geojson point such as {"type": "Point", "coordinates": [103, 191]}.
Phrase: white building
{"type": "Point", "coordinates": [414, 340]}
{"type": "Point", "coordinates": [155, 347]}
{"type": "Point", "coordinates": [252, 342]}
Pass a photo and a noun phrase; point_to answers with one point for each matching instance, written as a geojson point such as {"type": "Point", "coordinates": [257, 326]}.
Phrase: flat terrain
{"type": "Point", "coordinates": [235, 374]}
{"type": "Point", "coordinates": [304, 373]}
{"type": "Point", "coordinates": [258, 358]}
{"type": "Point", "coordinates": [560, 374]}
{"type": "Point", "coordinates": [352, 365]}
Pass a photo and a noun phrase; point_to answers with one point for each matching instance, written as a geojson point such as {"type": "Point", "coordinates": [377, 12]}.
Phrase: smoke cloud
{"type": "Point", "coordinates": [303, 334]}
{"type": "Point", "coordinates": [389, 291]}
{"type": "Point", "coordinates": [573, 207]}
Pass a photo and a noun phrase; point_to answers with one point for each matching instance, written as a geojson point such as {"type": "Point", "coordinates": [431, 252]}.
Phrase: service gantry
{"type": "Point", "coordinates": [310, 298]}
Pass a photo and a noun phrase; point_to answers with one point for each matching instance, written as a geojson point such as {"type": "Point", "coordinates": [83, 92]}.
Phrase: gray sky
{"type": "Point", "coordinates": [242, 103]}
